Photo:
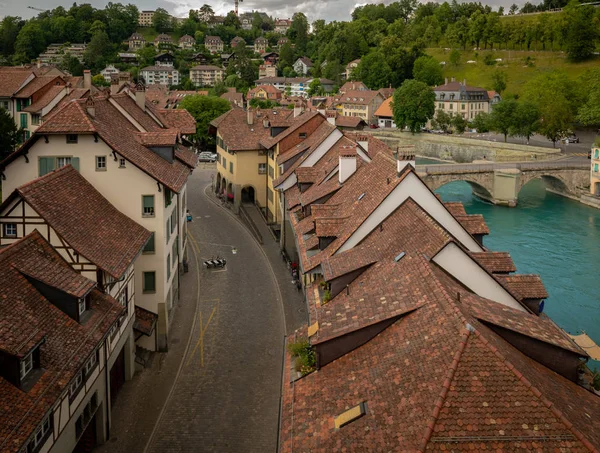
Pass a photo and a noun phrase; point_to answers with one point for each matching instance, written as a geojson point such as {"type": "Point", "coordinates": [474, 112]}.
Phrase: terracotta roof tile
{"type": "Point", "coordinates": [456, 208]}
{"type": "Point", "coordinates": [269, 142]}
{"type": "Point", "coordinates": [145, 321]}
{"type": "Point", "coordinates": [25, 313]}
{"type": "Point", "coordinates": [179, 119]}
{"type": "Point", "coordinates": [526, 286]}
{"type": "Point", "coordinates": [385, 109]}
{"type": "Point", "coordinates": [474, 223]}
{"type": "Point", "coordinates": [495, 262]}
{"type": "Point", "coordinates": [45, 100]}
{"type": "Point", "coordinates": [11, 79]}
{"type": "Point", "coordinates": [38, 83]}
{"type": "Point", "coordinates": [86, 220]}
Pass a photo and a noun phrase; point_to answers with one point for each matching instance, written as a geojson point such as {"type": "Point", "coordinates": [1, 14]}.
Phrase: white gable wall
{"type": "Point", "coordinates": [414, 188]}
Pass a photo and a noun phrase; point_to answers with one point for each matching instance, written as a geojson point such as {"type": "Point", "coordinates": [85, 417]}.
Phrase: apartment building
{"type": "Point", "coordinates": [242, 162]}
{"type": "Point", "coordinates": [55, 53]}
{"type": "Point", "coordinates": [131, 153]}
{"type": "Point", "coordinates": [109, 72]}
{"type": "Point", "coordinates": [297, 86]}
{"type": "Point", "coordinates": [187, 42]}
{"type": "Point", "coordinates": [282, 26]}
{"type": "Point", "coordinates": [459, 98]}
{"type": "Point", "coordinates": [63, 337]}
{"type": "Point", "coordinates": [384, 262]}
{"type": "Point", "coordinates": [206, 75]}
{"type": "Point", "coordinates": [136, 41]}
{"type": "Point", "coordinates": [303, 65]}
{"type": "Point", "coordinates": [260, 45]}
{"type": "Point", "coordinates": [267, 70]}
{"type": "Point", "coordinates": [145, 18]}
{"type": "Point", "coordinates": [214, 44]}
{"type": "Point", "coordinates": [360, 103]}
{"type": "Point", "coordinates": [160, 74]}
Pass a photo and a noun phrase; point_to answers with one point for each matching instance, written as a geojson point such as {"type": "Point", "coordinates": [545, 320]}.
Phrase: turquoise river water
{"type": "Point", "coordinates": [549, 235]}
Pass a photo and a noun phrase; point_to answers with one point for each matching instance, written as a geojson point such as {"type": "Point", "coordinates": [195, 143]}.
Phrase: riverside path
{"type": "Point", "coordinates": [218, 387]}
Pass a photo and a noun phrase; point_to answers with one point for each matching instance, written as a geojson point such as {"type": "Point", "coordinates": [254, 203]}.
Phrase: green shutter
{"type": "Point", "coordinates": [149, 247]}
{"type": "Point", "coordinates": [75, 163]}
{"type": "Point", "coordinates": [149, 283]}
{"type": "Point", "coordinates": [147, 204]}
{"type": "Point", "coordinates": [47, 164]}
{"type": "Point", "coordinates": [23, 120]}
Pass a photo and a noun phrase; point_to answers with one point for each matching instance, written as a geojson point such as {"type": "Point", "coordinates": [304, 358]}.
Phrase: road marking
{"type": "Point", "coordinates": [200, 342]}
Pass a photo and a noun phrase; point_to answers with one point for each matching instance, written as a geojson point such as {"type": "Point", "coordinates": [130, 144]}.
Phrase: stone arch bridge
{"type": "Point", "coordinates": [500, 183]}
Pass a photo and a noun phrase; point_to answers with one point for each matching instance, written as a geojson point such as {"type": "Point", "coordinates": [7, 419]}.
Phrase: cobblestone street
{"type": "Point", "coordinates": [218, 388]}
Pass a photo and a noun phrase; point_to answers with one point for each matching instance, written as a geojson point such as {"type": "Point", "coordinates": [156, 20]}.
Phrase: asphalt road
{"type": "Point", "coordinates": [218, 387]}
{"type": "Point", "coordinates": [586, 139]}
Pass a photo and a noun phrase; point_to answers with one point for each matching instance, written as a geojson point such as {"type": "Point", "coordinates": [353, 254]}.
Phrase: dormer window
{"type": "Point", "coordinates": [40, 435]}
{"type": "Point", "coordinates": [71, 138]}
{"type": "Point", "coordinates": [90, 364]}
{"type": "Point", "coordinates": [81, 307]}
{"type": "Point", "coordinates": [302, 135]}
{"type": "Point", "coordinates": [26, 365]}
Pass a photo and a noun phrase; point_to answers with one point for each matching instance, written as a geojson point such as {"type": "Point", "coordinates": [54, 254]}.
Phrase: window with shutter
{"type": "Point", "coordinates": [148, 205]}
{"type": "Point", "coordinates": [149, 282]}
{"type": "Point", "coordinates": [46, 165]}
{"type": "Point", "coordinates": [23, 120]}
{"type": "Point", "coordinates": [149, 247]}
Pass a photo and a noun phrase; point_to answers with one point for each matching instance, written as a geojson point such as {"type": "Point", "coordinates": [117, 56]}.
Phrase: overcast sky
{"type": "Point", "coordinates": [314, 9]}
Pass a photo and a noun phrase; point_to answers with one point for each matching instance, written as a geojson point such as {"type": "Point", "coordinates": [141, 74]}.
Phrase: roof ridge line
{"type": "Point", "coordinates": [4, 248]}
{"type": "Point", "coordinates": [85, 116]}
{"type": "Point", "coordinates": [536, 392]}
{"type": "Point", "coordinates": [439, 402]}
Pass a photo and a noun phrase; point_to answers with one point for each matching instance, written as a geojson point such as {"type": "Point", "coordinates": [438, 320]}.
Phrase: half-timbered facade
{"type": "Point", "coordinates": [132, 154]}
{"type": "Point", "coordinates": [64, 339]}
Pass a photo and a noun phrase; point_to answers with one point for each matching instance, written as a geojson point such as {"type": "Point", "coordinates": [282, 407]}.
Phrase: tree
{"type": "Point", "coordinates": [315, 88]}
{"type": "Point", "coordinates": [441, 121]}
{"type": "Point", "coordinates": [481, 122]}
{"type": "Point", "coordinates": [98, 52]}
{"type": "Point", "coordinates": [557, 99]}
{"type": "Point", "coordinates": [206, 13]}
{"type": "Point", "coordinates": [72, 65]}
{"type": "Point", "coordinates": [513, 9]}
{"type": "Point", "coordinates": [9, 134]}
{"type": "Point", "coordinates": [242, 66]}
{"type": "Point", "coordinates": [526, 120]}
{"type": "Point", "coordinates": [413, 105]}
{"type": "Point", "coordinates": [231, 20]}
{"type": "Point", "coordinates": [204, 109]}
{"type": "Point", "coordinates": [499, 81]}
{"type": "Point", "coordinates": [502, 118]}
{"type": "Point", "coordinates": [588, 113]}
{"type": "Point", "coordinates": [455, 57]}
{"type": "Point", "coordinates": [262, 103]}
{"type": "Point", "coordinates": [286, 56]}
{"type": "Point", "coordinates": [477, 24]}
{"type": "Point", "coordinates": [298, 32]}
{"type": "Point", "coordinates": [9, 30]}
{"type": "Point", "coordinates": [581, 31]}
{"type": "Point", "coordinates": [146, 56]}
{"type": "Point", "coordinates": [30, 42]}
{"type": "Point", "coordinates": [373, 70]}
{"type": "Point", "coordinates": [161, 20]}
{"type": "Point", "coordinates": [428, 70]}
{"type": "Point", "coordinates": [99, 81]}
{"type": "Point", "coordinates": [459, 123]}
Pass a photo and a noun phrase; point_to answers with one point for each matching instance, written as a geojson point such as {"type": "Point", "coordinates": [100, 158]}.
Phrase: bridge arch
{"type": "Point", "coordinates": [478, 189]}
{"type": "Point", "coordinates": [553, 182]}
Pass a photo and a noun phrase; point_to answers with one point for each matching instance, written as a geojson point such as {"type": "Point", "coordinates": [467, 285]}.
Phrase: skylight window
{"type": "Point", "coordinates": [399, 257]}
{"type": "Point", "coordinates": [350, 415]}
{"type": "Point", "coordinates": [362, 195]}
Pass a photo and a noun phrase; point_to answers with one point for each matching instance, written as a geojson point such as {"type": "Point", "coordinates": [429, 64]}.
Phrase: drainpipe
{"type": "Point", "coordinates": [107, 376]}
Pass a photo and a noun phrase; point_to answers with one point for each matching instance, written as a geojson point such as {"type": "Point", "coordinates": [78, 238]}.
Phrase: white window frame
{"type": "Point", "coordinates": [101, 163]}
{"type": "Point", "coordinates": [26, 365]}
{"type": "Point", "coordinates": [81, 306]}
{"type": "Point", "coordinates": [122, 162]}
{"type": "Point", "coordinates": [90, 364]}
{"type": "Point", "coordinates": [39, 434]}
{"type": "Point", "coordinates": [63, 161]}
{"type": "Point", "coordinates": [75, 385]}
{"type": "Point", "coordinates": [7, 227]}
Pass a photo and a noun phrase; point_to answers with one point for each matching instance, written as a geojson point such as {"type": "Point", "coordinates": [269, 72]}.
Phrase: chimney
{"type": "Point", "coordinates": [114, 84]}
{"type": "Point", "coordinates": [464, 82]}
{"type": "Point", "coordinates": [446, 80]}
{"type": "Point", "coordinates": [363, 141]}
{"type": "Point", "coordinates": [405, 157]}
{"type": "Point", "coordinates": [250, 114]}
{"type": "Point", "coordinates": [87, 79]}
{"type": "Point", "coordinates": [453, 79]}
{"type": "Point", "coordinates": [297, 109]}
{"type": "Point", "coordinates": [347, 163]}
{"type": "Point", "coordinates": [140, 96]}
{"type": "Point", "coordinates": [39, 63]}
{"type": "Point", "coordinates": [331, 117]}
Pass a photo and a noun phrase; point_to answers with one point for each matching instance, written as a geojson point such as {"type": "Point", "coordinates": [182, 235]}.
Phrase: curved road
{"type": "Point", "coordinates": [218, 387]}
{"type": "Point", "coordinates": [226, 397]}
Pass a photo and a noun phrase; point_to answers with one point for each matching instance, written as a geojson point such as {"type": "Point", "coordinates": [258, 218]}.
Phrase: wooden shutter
{"type": "Point", "coordinates": [47, 164]}
{"type": "Point", "coordinates": [75, 163]}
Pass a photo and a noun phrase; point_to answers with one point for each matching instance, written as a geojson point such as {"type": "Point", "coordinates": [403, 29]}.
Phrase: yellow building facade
{"type": "Point", "coordinates": [595, 171]}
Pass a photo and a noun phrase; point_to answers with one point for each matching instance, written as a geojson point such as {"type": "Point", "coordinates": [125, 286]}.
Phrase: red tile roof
{"type": "Point", "coordinates": [26, 317]}
{"type": "Point", "coordinates": [85, 220]}
{"type": "Point", "coordinates": [145, 321]}
{"type": "Point", "coordinates": [295, 123]}
{"type": "Point", "coordinates": [348, 121]}
{"type": "Point", "coordinates": [38, 83]}
{"type": "Point", "coordinates": [119, 133]}
{"type": "Point", "coordinates": [495, 262]}
{"type": "Point", "coordinates": [11, 79]}
{"type": "Point", "coordinates": [179, 119]}
{"type": "Point", "coordinates": [45, 99]}
{"type": "Point", "coordinates": [526, 286]}
{"type": "Point", "coordinates": [166, 137]}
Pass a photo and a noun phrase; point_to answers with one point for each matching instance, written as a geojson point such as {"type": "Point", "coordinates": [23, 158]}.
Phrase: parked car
{"type": "Point", "coordinates": [571, 139]}
{"type": "Point", "coordinates": [207, 157]}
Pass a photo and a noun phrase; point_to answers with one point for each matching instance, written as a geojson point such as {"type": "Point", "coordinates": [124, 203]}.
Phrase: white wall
{"type": "Point", "coordinates": [414, 188]}
{"type": "Point", "coordinates": [462, 267]}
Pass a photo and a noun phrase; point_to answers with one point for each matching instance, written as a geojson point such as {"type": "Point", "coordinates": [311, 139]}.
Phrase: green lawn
{"type": "Point", "coordinates": [148, 33]}
{"type": "Point", "coordinates": [513, 64]}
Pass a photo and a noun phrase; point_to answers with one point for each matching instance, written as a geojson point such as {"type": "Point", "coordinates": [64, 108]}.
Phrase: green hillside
{"type": "Point", "coordinates": [519, 73]}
